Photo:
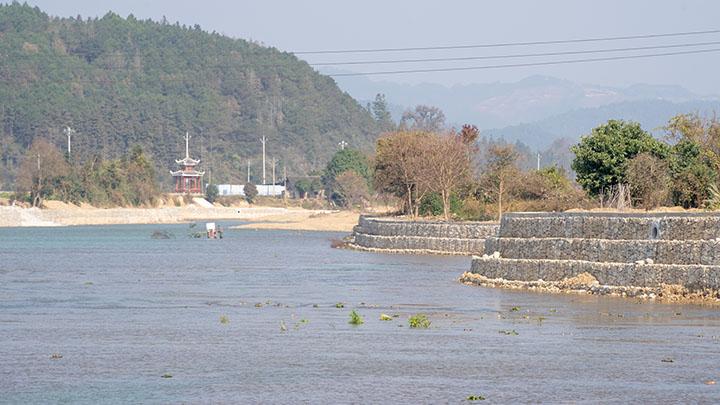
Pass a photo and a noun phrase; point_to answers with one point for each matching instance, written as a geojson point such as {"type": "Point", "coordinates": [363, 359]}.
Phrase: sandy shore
{"type": "Point", "coordinates": [59, 214]}
{"type": "Point", "coordinates": [305, 220]}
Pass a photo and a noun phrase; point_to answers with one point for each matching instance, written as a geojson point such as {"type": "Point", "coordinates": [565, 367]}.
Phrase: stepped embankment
{"type": "Point", "coordinates": [617, 253]}
{"type": "Point", "coordinates": [396, 235]}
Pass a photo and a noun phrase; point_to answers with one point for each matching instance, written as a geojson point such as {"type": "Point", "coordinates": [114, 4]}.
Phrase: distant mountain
{"type": "Point", "coordinates": [496, 105]}
{"type": "Point", "coordinates": [651, 114]}
{"type": "Point", "coordinates": [124, 81]}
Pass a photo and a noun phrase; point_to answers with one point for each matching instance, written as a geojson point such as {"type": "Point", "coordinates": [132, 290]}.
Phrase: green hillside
{"type": "Point", "coordinates": [121, 82]}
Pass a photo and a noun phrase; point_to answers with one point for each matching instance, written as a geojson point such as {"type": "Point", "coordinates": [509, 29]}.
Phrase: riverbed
{"type": "Point", "coordinates": [109, 314]}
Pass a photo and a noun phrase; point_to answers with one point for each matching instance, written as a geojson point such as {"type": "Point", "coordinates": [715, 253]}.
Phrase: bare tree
{"type": "Point", "coordinates": [352, 189]}
{"type": "Point", "coordinates": [423, 118]}
{"type": "Point", "coordinates": [41, 168]}
{"type": "Point", "coordinates": [399, 163]}
{"type": "Point", "coordinates": [447, 166]}
{"type": "Point", "coordinates": [500, 170]}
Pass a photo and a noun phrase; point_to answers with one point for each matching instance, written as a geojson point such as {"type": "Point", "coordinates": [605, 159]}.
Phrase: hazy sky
{"type": "Point", "coordinates": [333, 24]}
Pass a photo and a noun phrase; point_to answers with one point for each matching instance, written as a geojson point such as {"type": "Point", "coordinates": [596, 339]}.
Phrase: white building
{"type": "Point", "coordinates": [263, 189]}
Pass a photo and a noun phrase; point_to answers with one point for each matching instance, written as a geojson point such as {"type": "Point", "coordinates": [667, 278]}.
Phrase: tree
{"type": "Point", "coordinates": [251, 192]}
{"type": "Point", "coordinates": [469, 134]}
{"type": "Point", "coordinates": [211, 193]}
{"type": "Point", "coordinates": [447, 166]}
{"type": "Point", "coordinates": [500, 169]}
{"type": "Point", "coordinates": [344, 160]}
{"type": "Point", "coordinates": [307, 186]}
{"type": "Point", "coordinates": [705, 132]}
{"type": "Point", "coordinates": [399, 163]}
{"type": "Point", "coordinates": [649, 180]}
{"type": "Point", "coordinates": [381, 113]}
{"type": "Point", "coordinates": [423, 118]}
{"type": "Point", "coordinates": [351, 189]}
{"type": "Point", "coordinates": [41, 169]}
{"type": "Point", "coordinates": [601, 158]}
{"type": "Point", "coordinates": [692, 174]}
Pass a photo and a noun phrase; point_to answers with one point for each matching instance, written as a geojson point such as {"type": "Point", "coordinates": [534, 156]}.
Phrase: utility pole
{"type": "Point", "coordinates": [69, 132]}
{"type": "Point", "coordinates": [248, 171]}
{"type": "Point", "coordinates": [37, 194]}
{"type": "Point", "coordinates": [263, 145]}
{"type": "Point", "coordinates": [273, 175]}
{"type": "Point", "coordinates": [342, 145]}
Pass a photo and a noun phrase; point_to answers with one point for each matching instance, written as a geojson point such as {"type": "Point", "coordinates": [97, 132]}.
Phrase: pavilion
{"type": "Point", "coordinates": [188, 179]}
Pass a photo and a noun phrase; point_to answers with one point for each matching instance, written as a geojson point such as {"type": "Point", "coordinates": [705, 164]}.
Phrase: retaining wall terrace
{"type": "Point", "coordinates": [402, 236]}
{"type": "Point", "coordinates": [641, 250]}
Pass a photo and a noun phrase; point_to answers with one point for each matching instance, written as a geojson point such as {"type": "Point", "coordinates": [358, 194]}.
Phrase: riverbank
{"type": "Point", "coordinates": [59, 214]}
{"type": "Point", "coordinates": [306, 220]}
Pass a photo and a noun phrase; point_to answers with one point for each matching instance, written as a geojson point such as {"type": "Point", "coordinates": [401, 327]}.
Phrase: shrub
{"type": "Point", "coordinates": [355, 318]}
{"type": "Point", "coordinates": [432, 204]}
{"type": "Point", "coordinates": [419, 321]}
{"type": "Point", "coordinates": [250, 192]}
{"type": "Point", "coordinates": [211, 193]}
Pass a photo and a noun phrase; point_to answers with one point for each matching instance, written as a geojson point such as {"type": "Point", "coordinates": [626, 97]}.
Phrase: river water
{"type": "Point", "coordinates": [123, 310]}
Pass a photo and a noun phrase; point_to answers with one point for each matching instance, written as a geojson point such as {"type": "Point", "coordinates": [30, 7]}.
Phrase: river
{"type": "Point", "coordinates": [253, 318]}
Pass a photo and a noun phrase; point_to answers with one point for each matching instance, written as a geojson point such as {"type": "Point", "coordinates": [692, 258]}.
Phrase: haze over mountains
{"type": "Point", "coordinates": [538, 109]}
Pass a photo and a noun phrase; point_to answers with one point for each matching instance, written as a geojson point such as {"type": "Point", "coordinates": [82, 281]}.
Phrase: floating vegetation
{"type": "Point", "coordinates": [512, 332]}
{"type": "Point", "coordinates": [475, 398]}
{"type": "Point", "coordinates": [339, 305]}
{"type": "Point", "coordinates": [419, 321]}
{"type": "Point", "coordinates": [355, 318]}
{"type": "Point", "coordinates": [258, 305]}
{"type": "Point", "coordinates": [160, 234]}
{"type": "Point", "coordinates": [316, 306]}
{"type": "Point", "coordinates": [195, 234]}
{"type": "Point", "coordinates": [667, 360]}
{"type": "Point", "coordinates": [88, 283]}
{"type": "Point", "coordinates": [385, 317]}
{"type": "Point", "coordinates": [224, 319]}
{"type": "Point", "coordinates": [300, 323]}
{"type": "Point", "coordinates": [166, 375]}
{"type": "Point", "coordinates": [56, 356]}
{"type": "Point", "coordinates": [514, 309]}
{"type": "Point", "coordinates": [283, 328]}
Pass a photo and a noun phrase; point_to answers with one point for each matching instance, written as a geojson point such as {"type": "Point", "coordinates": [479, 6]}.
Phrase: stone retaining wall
{"type": "Point", "coordinates": [643, 250]}
{"type": "Point", "coordinates": [401, 236]}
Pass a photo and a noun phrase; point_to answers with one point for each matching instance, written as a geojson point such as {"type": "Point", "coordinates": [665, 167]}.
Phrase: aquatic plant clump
{"type": "Point", "coordinates": [355, 318]}
{"type": "Point", "coordinates": [419, 321]}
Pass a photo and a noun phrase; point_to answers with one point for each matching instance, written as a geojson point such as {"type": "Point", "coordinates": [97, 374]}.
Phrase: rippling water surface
{"type": "Point", "coordinates": [124, 309]}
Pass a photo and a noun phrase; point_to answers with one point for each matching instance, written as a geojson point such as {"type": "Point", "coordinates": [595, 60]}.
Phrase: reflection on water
{"type": "Point", "coordinates": [124, 309]}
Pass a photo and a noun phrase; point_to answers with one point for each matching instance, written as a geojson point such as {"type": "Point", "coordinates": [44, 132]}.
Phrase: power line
{"type": "Point", "coordinates": [448, 59]}
{"type": "Point", "coordinates": [503, 44]}
{"type": "Point", "coordinates": [513, 65]}
{"type": "Point", "coordinates": [510, 56]}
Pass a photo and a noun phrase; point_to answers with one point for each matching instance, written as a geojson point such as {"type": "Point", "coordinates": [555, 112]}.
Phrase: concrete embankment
{"type": "Point", "coordinates": [392, 235]}
{"type": "Point", "coordinates": [646, 252]}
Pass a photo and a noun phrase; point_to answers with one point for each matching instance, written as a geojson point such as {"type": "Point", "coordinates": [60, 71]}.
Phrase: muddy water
{"type": "Point", "coordinates": [123, 309]}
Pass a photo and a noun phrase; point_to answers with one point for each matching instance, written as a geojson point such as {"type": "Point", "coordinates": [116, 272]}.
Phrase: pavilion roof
{"type": "Point", "coordinates": [189, 173]}
{"type": "Point", "coordinates": [187, 161]}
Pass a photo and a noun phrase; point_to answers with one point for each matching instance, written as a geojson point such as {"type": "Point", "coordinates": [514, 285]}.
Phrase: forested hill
{"type": "Point", "coordinates": [122, 81]}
